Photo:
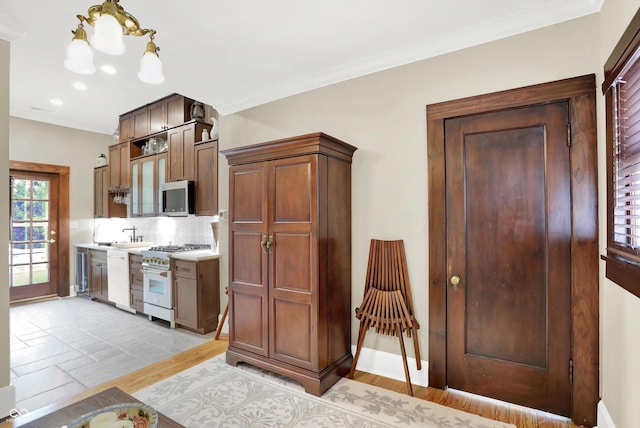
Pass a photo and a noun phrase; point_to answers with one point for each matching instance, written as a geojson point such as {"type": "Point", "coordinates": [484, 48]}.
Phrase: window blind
{"type": "Point", "coordinates": [626, 210]}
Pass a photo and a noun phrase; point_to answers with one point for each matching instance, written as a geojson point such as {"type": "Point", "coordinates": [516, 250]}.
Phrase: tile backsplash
{"type": "Point", "coordinates": [159, 230]}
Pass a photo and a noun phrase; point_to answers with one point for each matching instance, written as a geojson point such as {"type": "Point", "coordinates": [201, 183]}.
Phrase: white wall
{"type": "Point", "coordinates": [32, 141]}
{"type": "Point", "coordinates": [384, 116]}
{"type": "Point", "coordinates": [619, 309]}
{"type": "Point", "coordinates": [7, 394]}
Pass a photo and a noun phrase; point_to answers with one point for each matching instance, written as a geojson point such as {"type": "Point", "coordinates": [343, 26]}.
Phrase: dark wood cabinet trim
{"type": "Point", "coordinates": [580, 93]}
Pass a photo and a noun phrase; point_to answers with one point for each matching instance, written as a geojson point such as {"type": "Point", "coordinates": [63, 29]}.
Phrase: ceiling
{"type": "Point", "coordinates": [236, 54]}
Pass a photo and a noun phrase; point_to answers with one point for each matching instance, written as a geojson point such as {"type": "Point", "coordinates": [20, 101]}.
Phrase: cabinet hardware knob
{"type": "Point", "coordinates": [270, 244]}
{"type": "Point", "coordinates": [454, 280]}
{"type": "Point", "coordinates": [264, 244]}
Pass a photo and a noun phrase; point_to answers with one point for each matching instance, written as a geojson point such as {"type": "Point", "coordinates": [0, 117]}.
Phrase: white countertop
{"type": "Point", "coordinates": [91, 246]}
{"type": "Point", "coordinates": [195, 255]}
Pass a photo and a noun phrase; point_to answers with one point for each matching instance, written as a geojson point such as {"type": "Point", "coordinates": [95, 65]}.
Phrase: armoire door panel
{"type": "Point", "coordinates": [292, 262]}
{"type": "Point", "coordinates": [249, 182]}
{"type": "Point", "coordinates": [292, 333]}
{"type": "Point", "coordinates": [248, 330]}
{"type": "Point", "coordinates": [293, 196]}
{"type": "Point", "coordinates": [247, 266]}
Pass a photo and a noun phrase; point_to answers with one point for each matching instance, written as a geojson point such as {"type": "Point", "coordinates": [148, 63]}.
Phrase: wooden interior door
{"type": "Point", "coordinates": [508, 204]}
{"type": "Point", "coordinates": [248, 269]}
{"type": "Point", "coordinates": [293, 261]}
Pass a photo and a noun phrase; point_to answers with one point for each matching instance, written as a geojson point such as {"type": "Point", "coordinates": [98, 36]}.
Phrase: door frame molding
{"type": "Point", "coordinates": [580, 93]}
{"type": "Point", "coordinates": [63, 215]}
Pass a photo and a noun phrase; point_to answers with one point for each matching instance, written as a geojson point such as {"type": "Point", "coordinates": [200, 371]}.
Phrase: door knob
{"type": "Point", "coordinates": [270, 243]}
{"type": "Point", "coordinates": [52, 241]}
{"type": "Point", "coordinates": [264, 244]}
{"type": "Point", "coordinates": [454, 280]}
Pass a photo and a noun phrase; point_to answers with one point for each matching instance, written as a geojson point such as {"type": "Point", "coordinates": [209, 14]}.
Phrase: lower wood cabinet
{"type": "Point", "coordinates": [98, 275]}
{"type": "Point", "coordinates": [135, 282]}
{"type": "Point", "coordinates": [196, 294]}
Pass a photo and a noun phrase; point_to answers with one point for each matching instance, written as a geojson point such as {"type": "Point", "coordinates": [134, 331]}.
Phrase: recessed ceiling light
{"type": "Point", "coordinates": [108, 69]}
{"type": "Point", "coordinates": [56, 101]}
{"type": "Point", "coordinates": [81, 86]}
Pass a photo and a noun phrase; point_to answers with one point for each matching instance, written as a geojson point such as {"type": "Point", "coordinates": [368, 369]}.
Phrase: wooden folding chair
{"type": "Point", "coordinates": [387, 304]}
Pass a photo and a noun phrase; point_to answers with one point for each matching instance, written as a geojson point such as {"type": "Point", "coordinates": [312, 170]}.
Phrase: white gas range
{"type": "Point", "coordinates": [158, 285]}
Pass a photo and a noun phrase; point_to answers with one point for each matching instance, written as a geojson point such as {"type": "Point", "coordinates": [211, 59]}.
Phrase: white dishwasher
{"type": "Point", "coordinates": [118, 279]}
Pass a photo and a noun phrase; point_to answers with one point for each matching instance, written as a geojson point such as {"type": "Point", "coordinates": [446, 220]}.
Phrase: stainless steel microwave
{"type": "Point", "coordinates": [178, 198]}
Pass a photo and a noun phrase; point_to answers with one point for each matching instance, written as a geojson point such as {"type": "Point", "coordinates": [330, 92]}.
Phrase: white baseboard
{"type": "Point", "coordinates": [7, 400]}
{"type": "Point", "coordinates": [390, 365]}
{"type": "Point", "coordinates": [604, 419]}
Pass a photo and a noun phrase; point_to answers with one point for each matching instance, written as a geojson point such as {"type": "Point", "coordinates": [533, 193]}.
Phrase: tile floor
{"type": "Point", "coordinates": [65, 346]}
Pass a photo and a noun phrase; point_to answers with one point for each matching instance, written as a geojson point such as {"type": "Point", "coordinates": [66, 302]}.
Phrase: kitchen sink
{"type": "Point", "coordinates": [131, 244]}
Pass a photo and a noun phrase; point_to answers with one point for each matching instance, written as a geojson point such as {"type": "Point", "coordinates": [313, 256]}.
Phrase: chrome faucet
{"type": "Point", "coordinates": [132, 238]}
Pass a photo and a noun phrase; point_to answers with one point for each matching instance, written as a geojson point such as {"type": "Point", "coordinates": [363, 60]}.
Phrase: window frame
{"type": "Point", "coordinates": [622, 264]}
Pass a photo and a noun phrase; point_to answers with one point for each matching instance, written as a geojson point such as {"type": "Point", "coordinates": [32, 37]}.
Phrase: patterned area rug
{"type": "Point", "coordinates": [215, 394]}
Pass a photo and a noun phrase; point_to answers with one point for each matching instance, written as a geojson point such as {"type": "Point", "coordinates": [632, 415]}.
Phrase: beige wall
{"type": "Point", "coordinates": [4, 224]}
{"type": "Point", "coordinates": [619, 310]}
{"type": "Point", "coordinates": [39, 142]}
{"type": "Point", "coordinates": [384, 116]}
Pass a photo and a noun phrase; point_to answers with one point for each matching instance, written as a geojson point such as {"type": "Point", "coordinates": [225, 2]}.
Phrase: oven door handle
{"type": "Point", "coordinates": [155, 272]}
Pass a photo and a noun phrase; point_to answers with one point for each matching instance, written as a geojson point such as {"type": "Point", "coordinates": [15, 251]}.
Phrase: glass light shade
{"type": "Point", "coordinates": [79, 57]}
{"type": "Point", "coordinates": [108, 36]}
{"type": "Point", "coordinates": [150, 69]}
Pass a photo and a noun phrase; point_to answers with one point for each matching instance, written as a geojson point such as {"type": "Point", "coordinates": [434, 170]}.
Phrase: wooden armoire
{"type": "Point", "coordinates": [290, 258]}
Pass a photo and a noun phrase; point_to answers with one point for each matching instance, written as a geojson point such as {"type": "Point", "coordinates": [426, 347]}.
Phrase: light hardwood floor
{"type": "Point", "coordinates": [521, 417]}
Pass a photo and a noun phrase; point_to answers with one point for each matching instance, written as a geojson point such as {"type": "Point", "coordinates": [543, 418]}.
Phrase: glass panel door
{"type": "Point", "coordinates": [147, 188]}
{"type": "Point", "coordinates": [135, 198]}
{"type": "Point", "coordinates": [33, 223]}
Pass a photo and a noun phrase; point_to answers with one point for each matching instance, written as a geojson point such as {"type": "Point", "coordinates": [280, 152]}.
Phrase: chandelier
{"type": "Point", "coordinates": [111, 23]}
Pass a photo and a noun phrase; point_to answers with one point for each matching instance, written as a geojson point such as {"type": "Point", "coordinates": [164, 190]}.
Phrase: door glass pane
{"type": "Point", "coordinates": [40, 273]}
{"type": "Point", "coordinates": [40, 252]}
{"type": "Point", "coordinates": [21, 232]}
{"type": "Point", "coordinates": [21, 188]}
{"type": "Point", "coordinates": [20, 210]}
{"type": "Point", "coordinates": [40, 231]}
{"type": "Point", "coordinates": [20, 275]}
{"type": "Point", "coordinates": [20, 254]}
{"type": "Point", "coordinates": [40, 189]}
{"type": "Point", "coordinates": [40, 210]}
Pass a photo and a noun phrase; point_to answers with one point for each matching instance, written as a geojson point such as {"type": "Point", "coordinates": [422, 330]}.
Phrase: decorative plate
{"type": "Point", "coordinates": [125, 415]}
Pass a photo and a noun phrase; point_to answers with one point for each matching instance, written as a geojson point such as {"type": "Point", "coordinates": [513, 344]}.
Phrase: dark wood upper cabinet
{"type": "Point", "coordinates": [168, 113]}
{"type": "Point", "coordinates": [206, 178]}
{"type": "Point", "coordinates": [181, 159]}
{"type": "Point", "coordinates": [167, 118]}
{"type": "Point", "coordinates": [101, 192]}
{"type": "Point", "coordinates": [157, 117]}
{"type": "Point", "coordinates": [104, 205]}
{"type": "Point", "coordinates": [125, 130]}
{"type": "Point", "coordinates": [141, 123]}
{"type": "Point", "coordinates": [119, 166]}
